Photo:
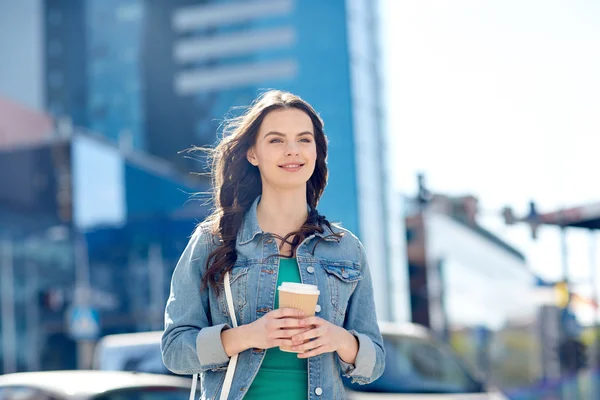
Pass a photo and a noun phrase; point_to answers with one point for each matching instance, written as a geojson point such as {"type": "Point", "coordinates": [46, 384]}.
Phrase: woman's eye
{"type": "Point", "coordinates": [275, 141]}
{"type": "Point", "coordinates": [305, 140]}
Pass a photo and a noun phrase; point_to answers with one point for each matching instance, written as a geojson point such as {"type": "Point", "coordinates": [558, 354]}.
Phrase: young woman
{"type": "Point", "coordinates": [269, 171]}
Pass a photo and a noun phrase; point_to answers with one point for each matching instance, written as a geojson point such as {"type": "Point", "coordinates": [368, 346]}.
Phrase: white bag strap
{"type": "Point", "coordinates": [233, 359]}
{"type": "Point", "coordinates": [193, 391]}
{"type": "Point", "coordinates": [229, 298]}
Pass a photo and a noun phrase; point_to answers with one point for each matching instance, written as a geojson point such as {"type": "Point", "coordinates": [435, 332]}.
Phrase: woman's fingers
{"type": "Point", "coordinates": [287, 323]}
{"type": "Point", "coordinates": [310, 321]}
{"type": "Point", "coordinates": [287, 313]}
{"type": "Point", "coordinates": [302, 347]}
{"type": "Point", "coordinates": [289, 333]}
{"type": "Point", "coordinates": [308, 334]}
{"type": "Point", "coordinates": [314, 351]}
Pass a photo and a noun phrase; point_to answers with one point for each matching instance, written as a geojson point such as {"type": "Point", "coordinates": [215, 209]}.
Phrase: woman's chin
{"type": "Point", "coordinates": [290, 184]}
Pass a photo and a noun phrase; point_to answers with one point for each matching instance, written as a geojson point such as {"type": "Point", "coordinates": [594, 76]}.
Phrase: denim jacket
{"type": "Point", "coordinates": [194, 319]}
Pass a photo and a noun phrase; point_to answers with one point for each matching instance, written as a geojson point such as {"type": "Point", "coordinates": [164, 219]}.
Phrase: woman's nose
{"type": "Point", "coordinates": [292, 149]}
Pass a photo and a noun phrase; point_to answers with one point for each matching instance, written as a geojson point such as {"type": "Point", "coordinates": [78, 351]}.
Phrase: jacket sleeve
{"type": "Point", "coordinates": [190, 343]}
{"type": "Point", "coordinates": [370, 360]}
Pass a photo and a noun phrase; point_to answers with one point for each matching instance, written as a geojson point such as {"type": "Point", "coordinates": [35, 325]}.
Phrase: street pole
{"type": "Point", "coordinates": [566, 390]}
{"type": "Point", "coordinates": [7, 296]}
{"type": "Point", "coordinates": [594, 357]}
{"type": "Point", "coordinates": [156, 282]}
{"type": "Point", "coordinates": [570, 391]}
{"type": "Point", "coordinates": [32, 317]}
{"type": "Point", "coordinates": [85, 347]}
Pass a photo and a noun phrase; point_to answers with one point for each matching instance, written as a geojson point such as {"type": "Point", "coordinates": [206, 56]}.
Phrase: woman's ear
{"type": "Point", "coordinates": [251, 156]}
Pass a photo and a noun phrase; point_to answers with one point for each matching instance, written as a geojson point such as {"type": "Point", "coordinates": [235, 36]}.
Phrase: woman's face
{"type": "Point", "coordinates": [285, 151]}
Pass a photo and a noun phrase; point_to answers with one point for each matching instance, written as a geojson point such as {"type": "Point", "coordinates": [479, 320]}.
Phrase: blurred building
{"type": "Point", "coordinates": [84, 225]}
{"type": "Point", "coordinates": [21, 125]}
{"type": "Point", "coordinates": [159, 76]}
{"type": "Point", "coordinates": [472, 289]}
{"type": "Point", "coordinates": [21, 51]}
{"type": "Point", "coordinates": [93, 66]}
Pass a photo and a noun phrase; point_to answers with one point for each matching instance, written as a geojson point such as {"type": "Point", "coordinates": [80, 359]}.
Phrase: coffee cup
{"type": "Point", "coordinates": [299, 296]}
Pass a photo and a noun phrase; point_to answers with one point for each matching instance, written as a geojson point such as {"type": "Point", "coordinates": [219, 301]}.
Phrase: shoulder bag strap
{"type": "Point", "coordinates": [233, 359]}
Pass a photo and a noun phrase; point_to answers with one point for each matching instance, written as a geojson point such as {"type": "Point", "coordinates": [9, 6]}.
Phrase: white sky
{"type": "Point", "coordinates": [500, 99]}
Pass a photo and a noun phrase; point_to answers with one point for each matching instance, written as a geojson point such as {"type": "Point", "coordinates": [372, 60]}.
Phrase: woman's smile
{"type": "Point", "coordinates": [291, 167]}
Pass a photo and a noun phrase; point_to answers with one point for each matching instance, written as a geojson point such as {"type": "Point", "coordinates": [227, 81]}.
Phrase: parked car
{"type": "Point", "coordinates": [418, 366]}
{"type": "Point", "coordinates": [130, 352]}
{"type": "Point", "coordinates": [93, 385]}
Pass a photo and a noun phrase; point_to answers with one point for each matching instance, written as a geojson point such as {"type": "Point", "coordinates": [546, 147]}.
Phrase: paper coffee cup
{"type": "Point", "coordinates": [299, 296]}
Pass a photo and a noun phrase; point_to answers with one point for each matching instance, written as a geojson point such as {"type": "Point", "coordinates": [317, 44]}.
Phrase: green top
{"type": "Point", "coordinates": [281, 375]}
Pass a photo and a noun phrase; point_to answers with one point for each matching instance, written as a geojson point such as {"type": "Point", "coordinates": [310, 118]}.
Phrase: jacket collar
{"type": "Point", "coordinates": [250, 228]}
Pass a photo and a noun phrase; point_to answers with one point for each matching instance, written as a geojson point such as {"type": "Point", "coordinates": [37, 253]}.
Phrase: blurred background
{"type": "Point", "coordinates": [462, 153]}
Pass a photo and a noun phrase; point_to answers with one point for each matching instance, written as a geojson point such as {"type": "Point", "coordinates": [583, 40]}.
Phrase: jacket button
{"type": "Point", "coordinates": [318, 391]}
{"type": "Point", "coordinates": [345, 274]}
{"type": "Point", "coordinates": [310, 270]}
{"type": "Point", "coordinates": [318, 308]}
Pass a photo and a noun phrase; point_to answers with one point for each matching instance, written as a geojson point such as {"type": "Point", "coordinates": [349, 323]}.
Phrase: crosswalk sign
{"type": "Point", "coordinates": [84, 323]}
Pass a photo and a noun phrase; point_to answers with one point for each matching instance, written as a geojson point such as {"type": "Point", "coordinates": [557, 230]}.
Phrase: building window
{"type": "Point", "coordinates": [100, 52]}
{"type": "Point", "coordinates": [55, 17]}
{"type": "Point", "coordinates": [56, 109]}
{"type": "Point", "coordinates": [129, 12]}
{"type": "Point", "coordinates": [55, 48]}
{"type": "Point", "coordinates": [55, 79]}
{"type": "Point", "coordinates": [99, 113]}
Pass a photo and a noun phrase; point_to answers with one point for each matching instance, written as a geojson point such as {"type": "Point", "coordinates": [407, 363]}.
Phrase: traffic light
{"type": "Point", "coordinates": [581, 356]}
{"type": "Point", "coordinates": [533, 219]}
{"type": "Point", "coordinates": [573, 355]}
{"type": "Point", "coordinates": [562, 294]}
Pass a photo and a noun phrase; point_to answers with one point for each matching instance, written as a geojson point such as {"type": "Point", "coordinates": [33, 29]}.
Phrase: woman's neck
{"type": "Point", "coordinates": [281, 212]}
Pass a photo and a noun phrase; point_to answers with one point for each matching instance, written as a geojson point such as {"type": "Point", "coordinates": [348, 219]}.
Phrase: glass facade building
{"type": "Point", "coordinates": [84, 224]}
{"type": "Point", "coordinates": [115, 100]}
{"type": "Point", "coordinates": [93, 66]}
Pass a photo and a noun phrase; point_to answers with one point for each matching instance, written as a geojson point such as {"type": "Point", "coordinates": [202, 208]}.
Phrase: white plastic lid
{"type": "Point", "coordinates": [302, 288]}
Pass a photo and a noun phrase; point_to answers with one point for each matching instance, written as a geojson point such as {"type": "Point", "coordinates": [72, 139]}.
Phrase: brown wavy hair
{"type": "Point", "coordinates": [236, 183]}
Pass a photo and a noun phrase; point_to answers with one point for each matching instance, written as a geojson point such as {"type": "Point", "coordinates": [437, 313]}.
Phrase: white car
{"type": "Point", "coordinates": [418, 367]}
{"type": "Point", "coordinates": [93, 385]}
{"type": "Point", "coordinates": [130, 352]}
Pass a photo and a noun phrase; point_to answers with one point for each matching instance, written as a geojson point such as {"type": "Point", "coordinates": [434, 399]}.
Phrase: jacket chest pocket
{"type": "Point", "coordinates": [342, 278]}
{"type": "Point", "coordinates": [238, 278]}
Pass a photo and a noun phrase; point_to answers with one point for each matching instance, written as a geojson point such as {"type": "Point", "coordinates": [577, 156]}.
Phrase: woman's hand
{"type": "Point", "coordinates": [327, 338]}
{"type": "Point", "coordinates": [275, 328]}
